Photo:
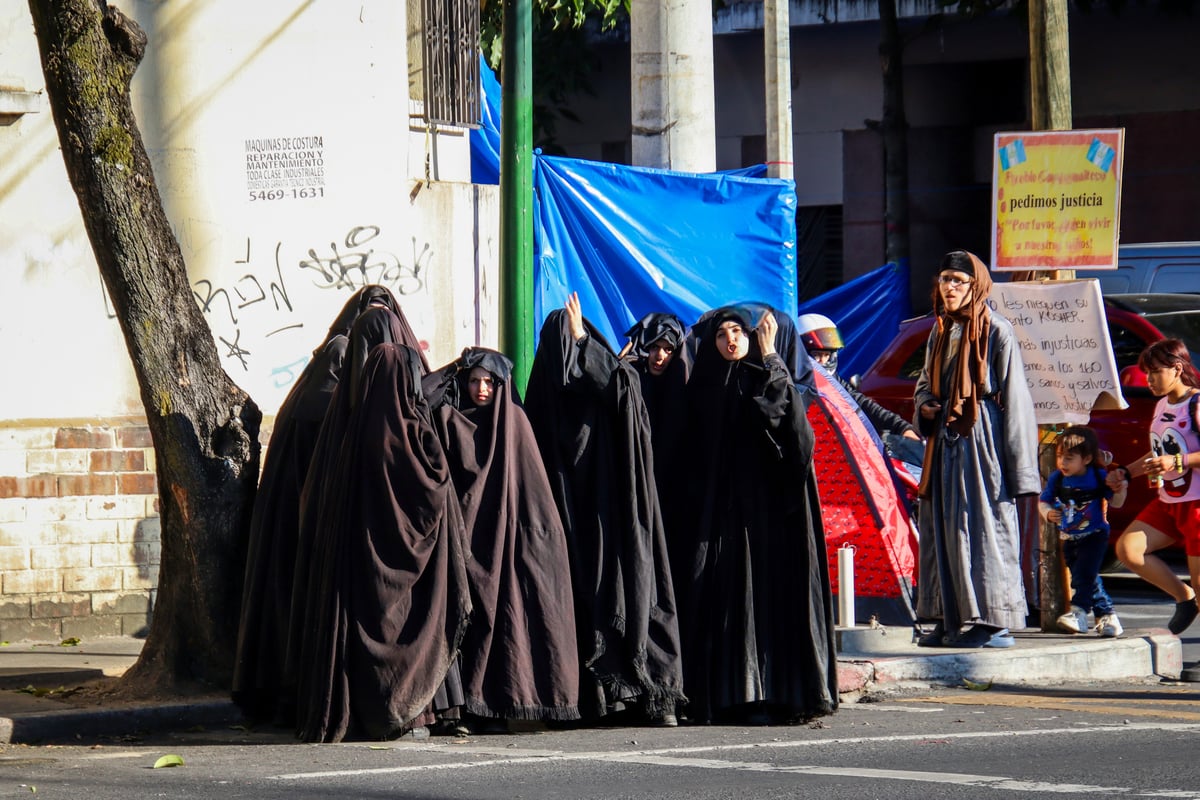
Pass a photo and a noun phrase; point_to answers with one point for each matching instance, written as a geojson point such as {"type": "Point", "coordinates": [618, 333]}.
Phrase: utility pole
{"type": "Point", "coordinates": [1049, 65]}
{"type": "Point", "coordinates": [516, 188]}
{"type": "Point", "coordinates": [1050, 109]}
{"type": "Point", "coordinates": [893, 127]}
{"type": "Point", "coordinates": [671, 73]}
{"type": "Point", "coordinates": [777, 53]}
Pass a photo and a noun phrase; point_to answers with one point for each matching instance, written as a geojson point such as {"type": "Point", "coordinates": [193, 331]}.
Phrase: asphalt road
{"type": "Point", "coordinates": [1134, 739]}
{"type": "Point", "coordinates": [1084, 740]}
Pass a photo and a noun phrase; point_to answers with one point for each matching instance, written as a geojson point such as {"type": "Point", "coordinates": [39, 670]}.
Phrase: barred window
{"type": "Point", "coordinates": [451, 62]}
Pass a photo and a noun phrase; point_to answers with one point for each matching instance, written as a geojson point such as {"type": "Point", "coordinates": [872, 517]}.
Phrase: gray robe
{"type": "Point", "coordinates": [970, 558]}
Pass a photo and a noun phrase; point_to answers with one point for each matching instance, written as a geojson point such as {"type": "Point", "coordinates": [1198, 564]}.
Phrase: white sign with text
{"type": "Point", "coordinates": [1063, 335]}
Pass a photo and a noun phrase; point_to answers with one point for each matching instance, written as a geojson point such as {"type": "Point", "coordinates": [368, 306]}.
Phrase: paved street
{"type": "Point", "coordinates": [1133, 738]}
{"type": "Point", "coordinates": [1100, 740]}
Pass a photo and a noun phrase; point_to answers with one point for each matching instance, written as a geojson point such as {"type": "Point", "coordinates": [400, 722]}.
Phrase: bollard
{"type": "Point", "coordinates": [846, 586]}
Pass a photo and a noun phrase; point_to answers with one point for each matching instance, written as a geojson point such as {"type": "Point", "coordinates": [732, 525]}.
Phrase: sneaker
{"type": "Point", "coordinates": [1074, 621]}
{"type": "Point", "coordinates": [1109, 626]}
{"type": "Point", "coordinates": [1185, 615]}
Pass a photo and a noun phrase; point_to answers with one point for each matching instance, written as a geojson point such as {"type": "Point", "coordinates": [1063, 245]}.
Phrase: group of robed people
{"type": "Point", "coordinates": [640, 539]}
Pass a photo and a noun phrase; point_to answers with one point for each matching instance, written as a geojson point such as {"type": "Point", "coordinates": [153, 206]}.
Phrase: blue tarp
{"type": "Point", "coordinates": [485, 140]}
{"type": "Point", "coordinates": [632, 240]}
{"type": "Point", "coordinates": [868, 311]}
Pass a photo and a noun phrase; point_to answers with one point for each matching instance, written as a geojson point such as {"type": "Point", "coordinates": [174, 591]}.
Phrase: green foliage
{"type": "Point", "coordinates": [563, 60]}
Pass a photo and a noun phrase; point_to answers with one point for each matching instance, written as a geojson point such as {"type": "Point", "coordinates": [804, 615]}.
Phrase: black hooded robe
{"type": "Point", "coordinates": [518, 658]}
{"type": "Point", "coordinates": [389, 597]}
{"type": "Point", "coordinates": [666, 407]}
{"type": "Point", "coordinates": [275, 522]}
{"type": "Point", "coordinates": [758, 629]}
{"type": "Point", "coordinates": [586, 409]}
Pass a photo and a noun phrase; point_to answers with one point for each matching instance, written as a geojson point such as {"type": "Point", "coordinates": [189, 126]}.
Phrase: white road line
{"type": "Point", "coordinates": [874, 707]}
{"type": "Point", "coordinates": [982, 781]}
{"type": "Point", "coordinates": [108, 756]}
{"type": "Point", "coordinates": [676, 757]}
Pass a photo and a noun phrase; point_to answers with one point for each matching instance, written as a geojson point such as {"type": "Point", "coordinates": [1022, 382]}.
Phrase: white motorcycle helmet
{"type": "Point", "coordinates": [821, 339]}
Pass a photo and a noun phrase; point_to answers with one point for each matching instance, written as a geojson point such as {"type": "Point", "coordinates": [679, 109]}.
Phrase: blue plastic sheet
{"type": "Point", "coordinates": [631, 240]}
{"type": "Point", "coordinates": [485, 140]}
{"type": "Point", "coordinates": [868, 311]}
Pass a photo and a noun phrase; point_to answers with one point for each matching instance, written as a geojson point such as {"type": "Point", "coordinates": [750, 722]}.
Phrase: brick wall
{"type": "Point", "coordinates": [79, 530]}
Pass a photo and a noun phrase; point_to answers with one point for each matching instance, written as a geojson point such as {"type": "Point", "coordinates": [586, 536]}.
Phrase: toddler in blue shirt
{"type": "Point", "coordinates": [1076, 499]}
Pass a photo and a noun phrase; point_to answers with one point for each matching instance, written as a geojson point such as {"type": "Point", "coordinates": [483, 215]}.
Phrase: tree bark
{"type": "Point", "coordinates": [204, 428]}
{"type": "Point", "coordinates": [894, 128]}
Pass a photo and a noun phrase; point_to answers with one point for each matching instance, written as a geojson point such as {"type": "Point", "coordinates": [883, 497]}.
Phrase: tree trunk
{"type": "Point", "coordinates": [894, 127]}
{"type": "Point", "coordinates": [204, 428]}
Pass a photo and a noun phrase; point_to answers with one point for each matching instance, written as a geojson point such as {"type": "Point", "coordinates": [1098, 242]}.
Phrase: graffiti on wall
{"type": "Point", "coordinates": [355, 263]}
{"type": "Point", "coordinates": [256, 303]}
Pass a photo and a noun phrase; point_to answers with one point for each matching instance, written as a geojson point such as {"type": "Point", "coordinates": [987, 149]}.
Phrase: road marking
{"type": "Point", "coordinates": [873, 707]}
{"type": "Point", "coordinates": [107, 756]}
{"type": "Point", "coordinates": [1159, 707]}
{"type": "Point", "coordinates": [1000, 782]}
{"type": "Point", "coordinates": [678, 757]}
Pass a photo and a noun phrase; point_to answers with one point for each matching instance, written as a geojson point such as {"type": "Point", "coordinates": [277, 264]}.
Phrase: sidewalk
{"type": "Point", "coordinates": [870, 662]}
{"type": "Point", "coordinates": [886, 659]}
{"type": "Point", "coordinates": [32, 673]}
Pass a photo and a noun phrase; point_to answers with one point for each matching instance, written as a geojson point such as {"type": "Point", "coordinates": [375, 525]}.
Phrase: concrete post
{"type": "Point", "coordinates": [671, 65]}
{"type": "Point", "coordinates": [777, 54]}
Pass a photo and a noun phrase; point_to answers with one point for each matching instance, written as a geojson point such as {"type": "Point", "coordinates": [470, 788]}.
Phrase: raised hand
{"type": "Point", "coordinates": [575, 317]}
{"type": "Point", "coordinates": [767, 328]}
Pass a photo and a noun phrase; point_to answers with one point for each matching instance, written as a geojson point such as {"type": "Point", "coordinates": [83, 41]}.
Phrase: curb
{"type": "Point", "coordinates": [1156, 653]}
{"type": "Point", "coordinates": [54, 676]}
{"type": "Point", "coordinates": [44, 727]}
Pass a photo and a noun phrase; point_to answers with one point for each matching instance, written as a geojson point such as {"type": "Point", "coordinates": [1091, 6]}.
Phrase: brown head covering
{"type": "Point", "coordinates": [962, 403]}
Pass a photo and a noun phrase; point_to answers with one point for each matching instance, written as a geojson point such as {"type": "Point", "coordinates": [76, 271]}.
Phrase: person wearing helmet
{"type": "Point", "coordinates": [823, 342]}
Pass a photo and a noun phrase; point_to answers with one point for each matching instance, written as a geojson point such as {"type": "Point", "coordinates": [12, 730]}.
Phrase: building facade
{"type": "Point", "coordinates": [295, 162]}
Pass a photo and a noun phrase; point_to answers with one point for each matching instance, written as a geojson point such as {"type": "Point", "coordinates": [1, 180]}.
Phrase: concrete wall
{"type": "Point", "coordinates": [294, 167]}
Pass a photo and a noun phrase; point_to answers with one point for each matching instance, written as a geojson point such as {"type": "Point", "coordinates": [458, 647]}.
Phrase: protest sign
{"type": "Point", "coordinates": [1063, 336]}
{"type": "Point", "coordinates": [1056, 200]}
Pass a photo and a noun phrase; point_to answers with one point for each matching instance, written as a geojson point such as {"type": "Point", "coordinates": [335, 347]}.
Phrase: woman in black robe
{"type": "Point", "coordinates": [656, 351]}
{"type": "Point", "coordinates": [379, 323]}
{"type": "Point", "coordinates": [518, 659]}
{"type": "Point", "coordinates": [388, 598]}
{"type": "Point", "coordinates": [275, 522]}
{"type": "Point", "coordinates": [586, 409]}
{"type": "Point", "coordinates": [758, 629]}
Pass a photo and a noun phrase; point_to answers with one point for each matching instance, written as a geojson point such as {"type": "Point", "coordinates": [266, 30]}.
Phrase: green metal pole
{"type": "Point", "coordinates": [516, 189]}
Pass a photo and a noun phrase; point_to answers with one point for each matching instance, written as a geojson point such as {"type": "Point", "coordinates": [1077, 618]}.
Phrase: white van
{"type": "Point", "coordinates": [1151, 268]}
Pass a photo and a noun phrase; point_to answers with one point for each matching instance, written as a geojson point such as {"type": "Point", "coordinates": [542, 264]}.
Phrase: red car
{"type": "Point", "coordinates": [1134, 321]}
